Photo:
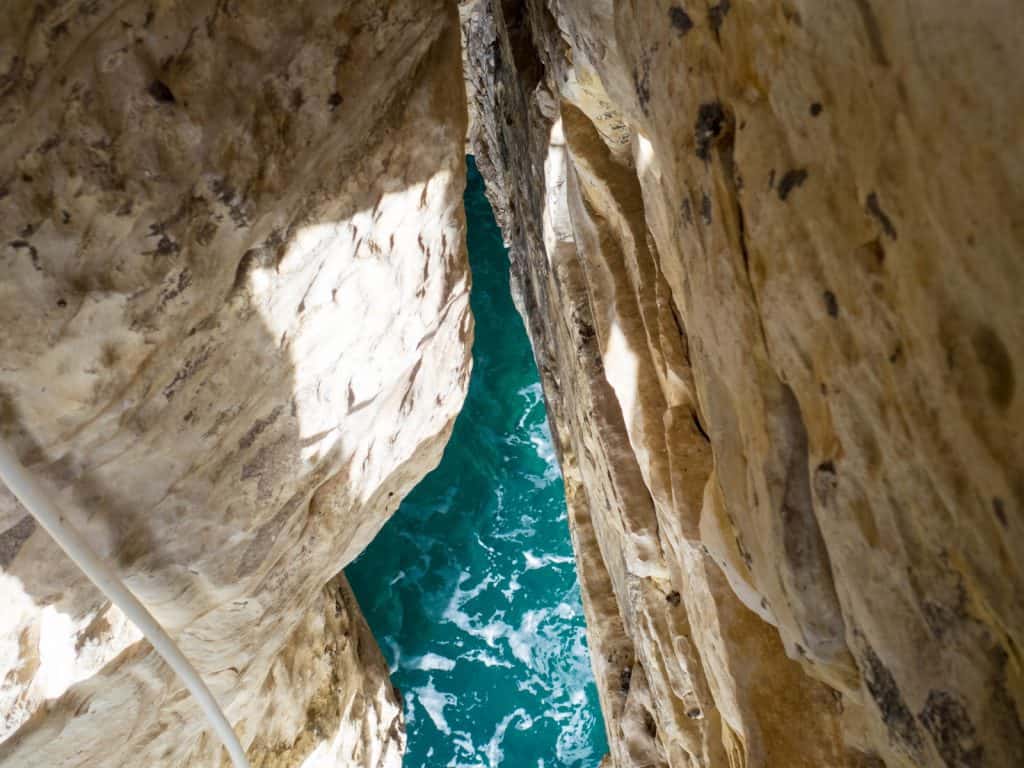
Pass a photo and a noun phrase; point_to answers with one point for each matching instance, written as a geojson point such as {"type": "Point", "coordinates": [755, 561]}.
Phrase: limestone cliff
{"type": "Point", "coordinates": [234, 331]}
{"type": "Point", "coordinates": [769, 254]}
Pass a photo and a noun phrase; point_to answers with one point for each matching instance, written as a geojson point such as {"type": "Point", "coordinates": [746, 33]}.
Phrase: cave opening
{"type": "Point", "coordinates": [471, 587]}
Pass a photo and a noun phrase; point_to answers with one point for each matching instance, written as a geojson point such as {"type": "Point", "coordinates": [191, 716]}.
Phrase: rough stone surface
{"type": "Point", "coordinates": [769, 254]}
{"type": "Point", "coordinates": [234, 332]}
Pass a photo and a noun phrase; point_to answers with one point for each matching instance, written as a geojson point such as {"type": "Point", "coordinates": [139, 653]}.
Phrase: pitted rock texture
{"type": "Point", "coordinates": [769, 257]}
{"type": "Point", "coordinates": [234, 332]}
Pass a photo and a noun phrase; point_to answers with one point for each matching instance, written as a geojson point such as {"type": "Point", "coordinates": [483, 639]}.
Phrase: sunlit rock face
{"type": "Point", "coordinates": [234, 332]}
{"type": "Point", "coordinates": [769, 258]}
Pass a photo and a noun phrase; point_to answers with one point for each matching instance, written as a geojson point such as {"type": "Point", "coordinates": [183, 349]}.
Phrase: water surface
{"type": "Point", "coordinates": [471, 587]}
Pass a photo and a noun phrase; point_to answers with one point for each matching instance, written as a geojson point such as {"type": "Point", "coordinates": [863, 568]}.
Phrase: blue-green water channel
{"type": "Point", "coordinates": [471, 587]}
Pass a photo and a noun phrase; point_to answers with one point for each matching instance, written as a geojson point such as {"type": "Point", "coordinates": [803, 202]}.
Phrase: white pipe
{"type": "Point", "coordinates": [37, 502]}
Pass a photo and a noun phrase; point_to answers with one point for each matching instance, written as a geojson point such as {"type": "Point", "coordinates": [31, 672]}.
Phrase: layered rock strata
{"type": "Point", "coordinates": [769, 255]}
{"type": "Point", "coordinates": [234, 332]}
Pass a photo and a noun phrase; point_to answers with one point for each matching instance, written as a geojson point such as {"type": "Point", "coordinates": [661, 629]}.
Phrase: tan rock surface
{"type": "Point", "coordinates": [769, 254]}
{"type": "Point", "coordinates": [234, 332]}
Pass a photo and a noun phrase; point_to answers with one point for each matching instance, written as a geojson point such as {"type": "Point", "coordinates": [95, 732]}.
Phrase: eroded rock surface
{"type": "Point", "coordinates": [234, 332]}
{"type": "Point", "coordinates": [769, 254]}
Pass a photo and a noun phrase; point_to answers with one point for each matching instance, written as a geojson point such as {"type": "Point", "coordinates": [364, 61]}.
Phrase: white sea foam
{"type": "Point", "coordinates": [525, 641]}
{"type": "Point", "coordinates": [572, 746]}
{"type": "Point", "coordinates": [540, 436]}
{"type": "Point", "coordinates": [493, 751]}
{"type": "Point", "coordinates": [533, 395]}
{"type": "Point", "coordinates": [396, 654]}
{"type": "Point", "coordinates": [513, 587]}
{"type": "Point", "coordinates": [463, 744]}
{"type": "Point", "coordinates": [486, 659]}
{"type": "Point", "coordinates": [565, 612]}
{"type": "Point", "coordinates": [433, 661]}
{"type": "Point", "coordinates": [433, 702]}
{"type": "Point", "coordinates": [533, 562]}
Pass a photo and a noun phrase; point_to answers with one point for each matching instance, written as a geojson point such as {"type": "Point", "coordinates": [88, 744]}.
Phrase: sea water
{"type": "Point", "coordinates": [471, 587]}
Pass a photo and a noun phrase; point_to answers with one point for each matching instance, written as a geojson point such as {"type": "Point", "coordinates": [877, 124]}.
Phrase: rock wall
{"type": "Point", "coordinates": [769, 254]}
{"type": "Point", "coordinates": [234, 332]}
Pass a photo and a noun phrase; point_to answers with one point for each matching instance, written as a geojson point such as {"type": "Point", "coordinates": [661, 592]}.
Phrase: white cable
{"type": "Point", "coordinates": [37, 502]}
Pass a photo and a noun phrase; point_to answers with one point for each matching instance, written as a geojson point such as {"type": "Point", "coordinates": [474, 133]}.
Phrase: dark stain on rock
{"type": "Point", "coordinates": [186, 372]}
{"type": "Point", "coordinates": [816, 109]}
{"type": "Point", "coordinates": [873, 31]}
{"type": "Point", "coordinates": [625, 679]}
{"type": "Point", "coordinates": [51, 143]}
{"type": "Point", "coordinates": [694, 713]}
{"type": "Point", "coordinates": [32, 251]}
{"type": "Point", "coordinates": [1004, 711]}
{"type": "Point", "coordinates": [335, 100]}
{"type": "Point", "coordinates": [871, 256]}
{"type": "Point", "coordinates": [945, 718]}
{"type": "Point", "coordinates": [826, 482]}
{"type": "Point", "coordinates": [673, 598]}
{"type": "Point", "coordinates": [744, 552]}
{"type": "Point", "coordinates": [680, 19]}
{"type": "Point", "coordinates": [872, 206]}
{"type": "Point", "coordinates": [803, 545]}
{"type": "Point", "coordinates": [225, 194]}
{"type": "Point", "coordinates": [710, 123]}
{"type": "Point", "coordinates": [10, 78]}
{"type": "Point", "coordinates": [895, 713]}
{"type": "Point", "coordinates": [109, 356]}
{"type": "Point", "coordinates": [165, 246]}
{"type": "Point", "coordinates": [717, 14]}
{"type": "Point", "coordinates": [650, 725]}
{"type": "Point", "coordinates": [687, 211]}
{"type": "Point", "coordinates": [180, 285]}
{"type": "Point", "coordinates": [13, 538]}
{"type": "Point", "coordinates": [940, 617]}
{"type": "Point", "coordinates": [995, 361]}
{"type": "Point", "coordinates": [258, 427]}
{"type": "Point", "coordinates": [206, 232]}
{"type": "Point", "coordinates": [705, 208]}
{"type": "Point", "coordinates": [999, 510]}
{"type": "Point", "coordinates": [700, 427]}
{"type": "Point", "coordinates": [642, 83]}
{"type": "Point", "coordinates": [58, 31]}
{"type": "Point", "coordinates": [790, 181]}
{"type": "Point", "coordinates": [831, 304]}
{"type": "Point", "coordinates": [160, 92]}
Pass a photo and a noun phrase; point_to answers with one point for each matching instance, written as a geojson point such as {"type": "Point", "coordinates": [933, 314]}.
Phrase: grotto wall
{"type": "Point", "coordinates": [769, 255]}
{"type": "Point", "coordinates": [234, 332]}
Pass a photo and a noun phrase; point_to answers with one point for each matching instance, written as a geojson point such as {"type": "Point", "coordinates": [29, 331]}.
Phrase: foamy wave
{"type": "Point", "coordinates": [433, 702]}
{"type": "Point", "coordinates": [533, 562]}
{"type": "Point", "coordinates": [431, 662]}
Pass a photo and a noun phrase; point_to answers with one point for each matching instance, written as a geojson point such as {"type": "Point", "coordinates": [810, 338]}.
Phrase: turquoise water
{"type": "Point", "coordinates": [471, 587]}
